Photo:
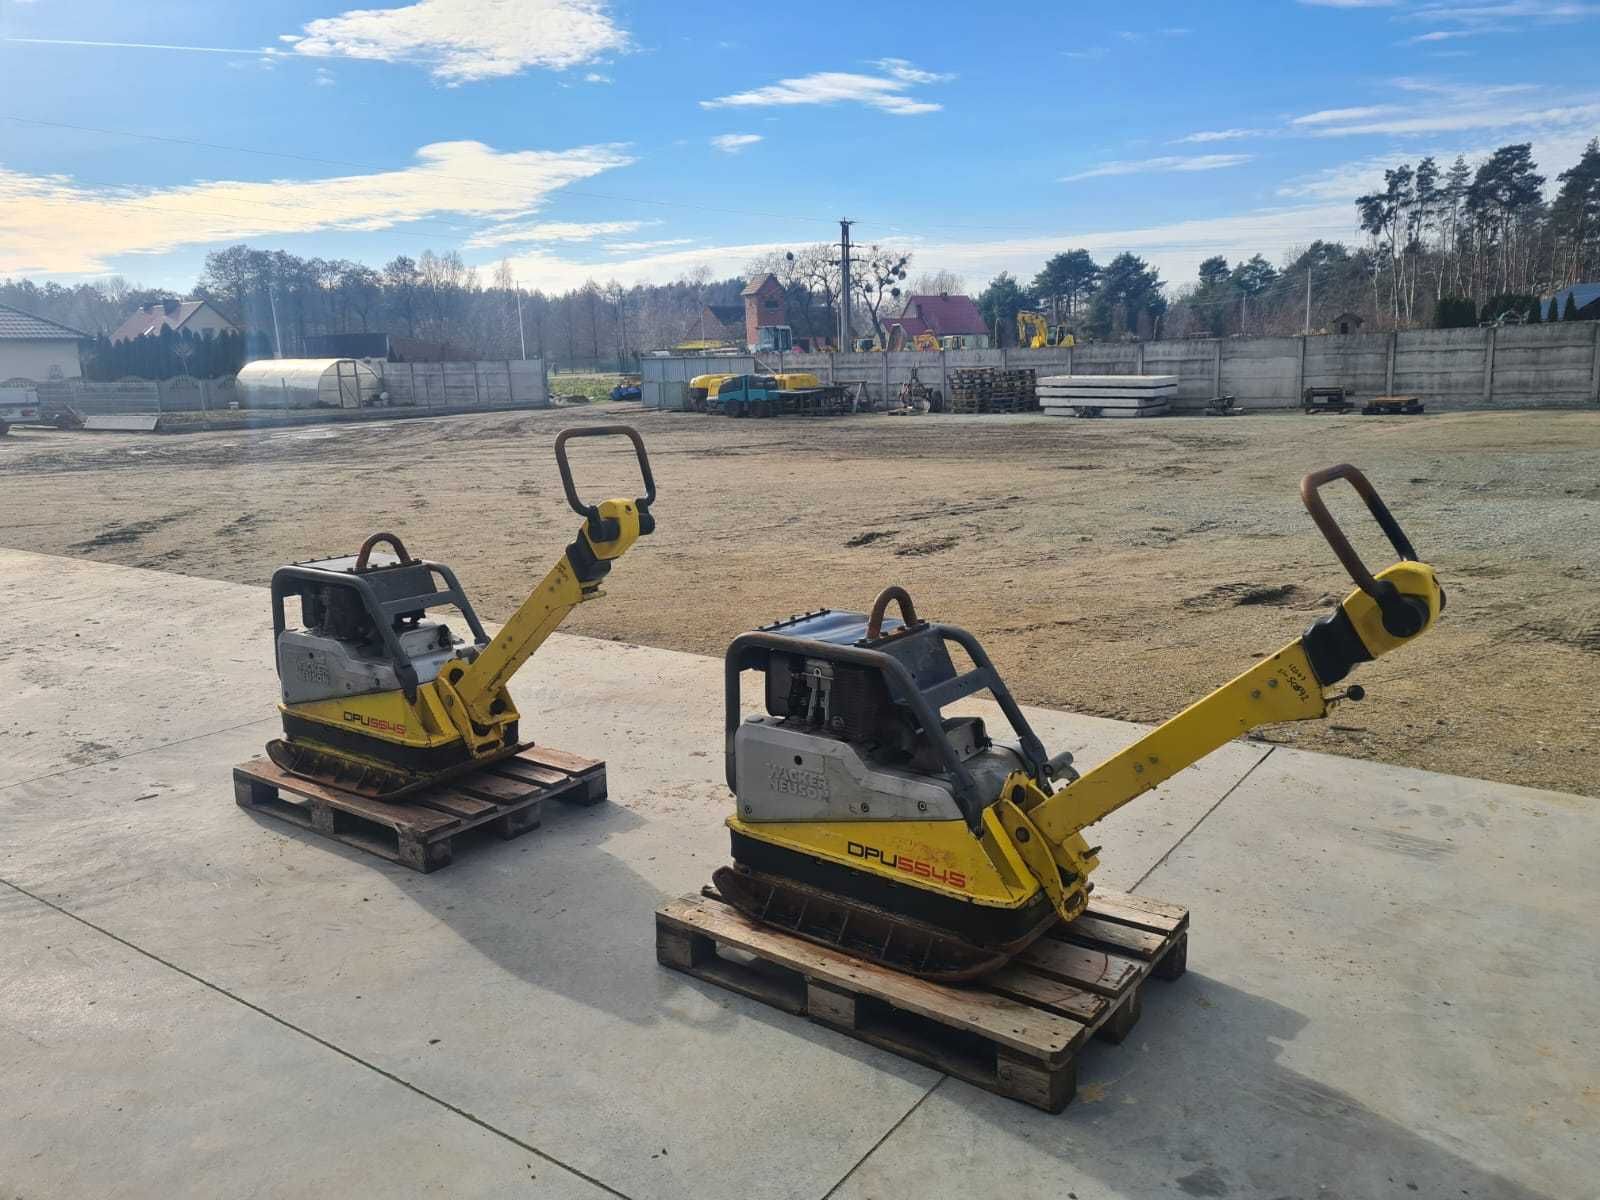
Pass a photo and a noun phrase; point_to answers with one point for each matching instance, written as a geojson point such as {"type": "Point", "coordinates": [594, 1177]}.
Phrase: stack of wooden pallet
{"type": "Point", "coordinates": [1108, 395]}
{"type": "Point", "coordinates": [992, 390]}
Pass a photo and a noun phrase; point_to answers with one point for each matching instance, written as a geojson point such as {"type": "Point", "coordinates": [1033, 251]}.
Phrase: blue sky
{"type": "Point", "coordinates": [640, 141]}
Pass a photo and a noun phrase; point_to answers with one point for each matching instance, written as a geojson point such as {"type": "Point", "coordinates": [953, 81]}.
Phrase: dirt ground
{"type": "Point", "coordinates": [1116, 568]}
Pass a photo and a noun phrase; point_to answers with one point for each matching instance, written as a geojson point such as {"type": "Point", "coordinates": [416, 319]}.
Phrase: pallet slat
{"type": "Point", "coordinates": [1095, 970]}
{"type": "Point", "coordinates": [1128, 909]}
{"type": "Point", "coordinates": [1090, 930]}
{"type": "Point", "coordinates": [506, 798]}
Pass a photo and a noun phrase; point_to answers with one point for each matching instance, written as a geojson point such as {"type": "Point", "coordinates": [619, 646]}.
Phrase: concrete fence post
{"type": "Point", "coordinates": [1216, 367]}
{"type": "Point", "coordinates": [886, 377]}
{"type": "Point", "coordinates": [1594, 367]}
{"type": "Point", "coordinates": [1388, 370]}
{"type": "Point", "coordinates": [1488, 365]}
{"type": "Point", "coordinates": [944, 382]}
{"type": "Point", "coordinates": [1069, 360]}
{"type": "Point", "coordinates": [1002, 358]}
{"type": "Point", "coordinates": [1300, 371]}
{"type": "Point", "coordinates": [1138, 358]}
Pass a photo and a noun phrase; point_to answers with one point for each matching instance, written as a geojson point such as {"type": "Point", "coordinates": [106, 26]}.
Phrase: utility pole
{"type": "Point", "coordinates": [521, 334]}
{"type": "Point", "coordinates": [277, 337]}
{"type": "Point", "coordinates": [846, 343]}
{"type": "Point", "coordinates": [1308, 301]}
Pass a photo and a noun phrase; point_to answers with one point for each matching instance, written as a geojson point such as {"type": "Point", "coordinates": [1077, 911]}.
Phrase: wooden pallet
{"type": "Point", "coordinates": [507, 797]}
{"type": "Point", "coordinates": [991, 390]}
{"type": "Point", "coordinates": [1017, 1032]}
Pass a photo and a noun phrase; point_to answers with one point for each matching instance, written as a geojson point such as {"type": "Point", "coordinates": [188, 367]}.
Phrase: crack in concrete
{"type": "Point", "coordinates": [100, 762]}
{"type": "Point", "coordinates": [327, 1045]}
{"type": "Point", "coordinates": [1185, 837]}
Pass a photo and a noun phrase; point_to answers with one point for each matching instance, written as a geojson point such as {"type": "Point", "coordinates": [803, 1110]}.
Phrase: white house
{"type": "Point", "coordinates": [34, 348]}
{"type": "Point", "coordinates": [196, 316]}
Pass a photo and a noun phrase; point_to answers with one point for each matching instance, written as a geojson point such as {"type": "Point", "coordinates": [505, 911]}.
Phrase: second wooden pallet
{"type": "Point", "coordinates": [506, 797]}
{"type": "Point", "coordinates": [1017, 1032]}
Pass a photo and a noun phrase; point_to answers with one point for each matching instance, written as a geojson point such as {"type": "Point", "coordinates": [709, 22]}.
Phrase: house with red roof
{"type": "Point", "coordinates": [197, 316]}
{"type": "Point", "coordinates": [943, 316]}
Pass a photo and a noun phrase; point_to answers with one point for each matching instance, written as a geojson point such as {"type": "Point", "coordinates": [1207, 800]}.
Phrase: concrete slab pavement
{"type": "Point", "coordinates": [126, 1078]}
{"type": "Point", "coordinates": [1391, 992]}
{"type": "Point", "coordinates": [531, 962]}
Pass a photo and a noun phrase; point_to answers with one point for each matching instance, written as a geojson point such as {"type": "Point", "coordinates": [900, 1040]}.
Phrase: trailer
{"type": "Point", "coordinates": [22, 406]}
{"type": "Point", "coordinates": [1394, 406]}
{"type": "Point", "coordinates": [777, 396]}
{"type": "Point", "coordinates": [1325, 400]}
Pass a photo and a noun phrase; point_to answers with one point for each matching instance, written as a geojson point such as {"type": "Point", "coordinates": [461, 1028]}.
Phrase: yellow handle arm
{"type": "Point", "coordinates": [567, 585]}
{"type": "Point", "coordinates": [609, 528]}
{"type": "Point", "coordinates": [1289, 686]}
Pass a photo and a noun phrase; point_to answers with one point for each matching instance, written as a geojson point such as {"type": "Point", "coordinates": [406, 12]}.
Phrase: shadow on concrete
{"type": "Point", "coordinates": [1196, 1103]}
{"type": "Point", "coordinates": [552, 908]}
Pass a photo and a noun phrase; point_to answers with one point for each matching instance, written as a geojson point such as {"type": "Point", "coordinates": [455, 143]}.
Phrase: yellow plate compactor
{"type": "Point", "coordinates": [867, 821]}
{"type": "Point", "coordinates": [380, 699]}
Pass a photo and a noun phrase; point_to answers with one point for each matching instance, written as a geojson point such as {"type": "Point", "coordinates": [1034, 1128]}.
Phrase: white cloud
{"type": "Point", "coordinates": [907, 73]}
{"type": "Point", "coordinates": [551, 231]}
{"type": "Point", "coordinates": [732, 143]}
{"type": "Point", "coordinates": [462, 41]}
{"type": "Point", "coordinates": [1088, 52]}
{"type": "Point", "coordinates": [886, 92]}
{"type": "Point", "coordinates": [1327, 116]}
{"type": "Point", "coordinates": [637, 247]}
{"type": "Point", "coordinates": [1163, 164]}
{"type": "Point", "coordinates": [1471, 14]}
{"type": "Point", "coordinates": [1455, 120]}
{"type": "Point", "coordinates": [51, 225]}
{"type": "Point", "coordinates": [596, 77]}
{"type": "Point", "coordinates": [1220, 135]}
{"type": "Point", "coordinates": [324, 78]}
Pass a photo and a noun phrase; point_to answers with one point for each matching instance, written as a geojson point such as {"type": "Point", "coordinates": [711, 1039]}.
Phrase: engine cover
{"type": "Point", "coordinates": [789, 772]}
{"type": "Point", "coordinates": [315, 666]}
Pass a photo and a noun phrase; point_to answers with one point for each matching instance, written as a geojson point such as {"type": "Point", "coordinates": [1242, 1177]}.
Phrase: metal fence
{"type": "Point", "coordinates": [1533, 366]}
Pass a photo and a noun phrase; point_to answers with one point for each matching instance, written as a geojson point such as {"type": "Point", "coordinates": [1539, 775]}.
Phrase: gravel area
{"type": "Point", "coordinates": [1121, 568]}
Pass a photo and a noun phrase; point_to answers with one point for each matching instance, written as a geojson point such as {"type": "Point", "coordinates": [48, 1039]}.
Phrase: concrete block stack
{"type": "Point", "coordinates": [1107, 395]}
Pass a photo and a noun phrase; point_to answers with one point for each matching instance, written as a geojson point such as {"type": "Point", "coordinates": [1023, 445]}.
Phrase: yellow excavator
{"type": "Point", "coordinates": [868, 821]}
{"type": "Point", "coordinates": [1034, 333]}
{"type": "Point", "coordinates": [382, 700]}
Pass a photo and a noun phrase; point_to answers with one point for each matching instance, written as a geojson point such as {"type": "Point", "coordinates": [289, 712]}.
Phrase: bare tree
{"type": "Point", "coordinates": [937, 283]}
{"type": "Point", "coordinates": [877, 278]}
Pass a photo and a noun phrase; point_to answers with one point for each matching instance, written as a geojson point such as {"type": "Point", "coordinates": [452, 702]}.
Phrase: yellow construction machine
{"type": "Point", "coordinates": [381, 700]}
{"type": "Point", "coordinates": [1035, 334]}
{"type": "Point", "coordinates": [868, 821]}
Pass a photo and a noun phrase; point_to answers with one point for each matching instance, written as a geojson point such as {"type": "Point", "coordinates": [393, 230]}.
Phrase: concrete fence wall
{"type": "Point", "coordinates": [464, 384]}
{"type": "Point", "coordinates": [1534, 366]}
{"type": "Point", "coordinates": [410, 385]}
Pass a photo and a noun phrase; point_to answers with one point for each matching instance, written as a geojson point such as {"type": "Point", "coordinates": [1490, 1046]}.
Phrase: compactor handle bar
{"type": "Point", "coordinates": [363, 554]}
{"type": "Point", "coordinates": [591, 512]}
{"type": "Point", "coordinates": [908, 611]}
{"type": "Point", "coordinates": [1399, 617]}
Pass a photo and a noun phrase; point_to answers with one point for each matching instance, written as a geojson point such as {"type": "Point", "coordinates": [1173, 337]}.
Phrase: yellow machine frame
{"type": "Point", "coordinates": [1031, 839]}
{"type": "Point", "coordinates": [468, 703]}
